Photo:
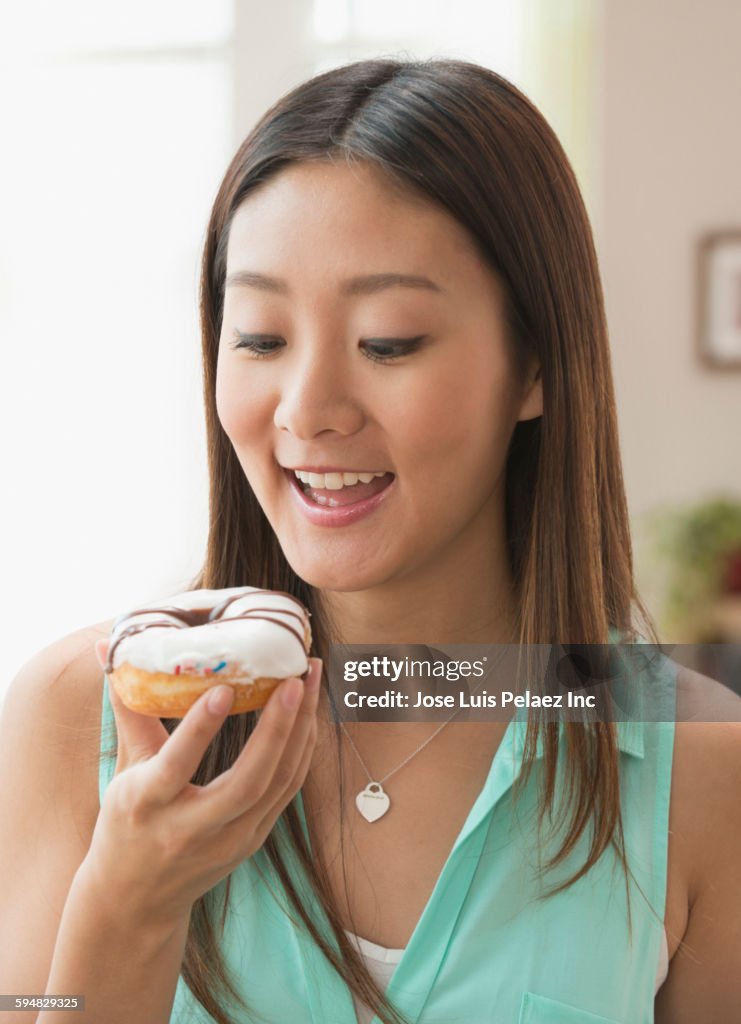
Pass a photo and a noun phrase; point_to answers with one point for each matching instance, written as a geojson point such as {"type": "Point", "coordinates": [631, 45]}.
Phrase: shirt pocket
{"type": "Point", "coordinates": [536, 1009]}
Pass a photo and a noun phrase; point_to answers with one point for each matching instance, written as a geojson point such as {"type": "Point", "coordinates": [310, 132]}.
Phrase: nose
{"type": "Point", "coordinates": [316, 395]}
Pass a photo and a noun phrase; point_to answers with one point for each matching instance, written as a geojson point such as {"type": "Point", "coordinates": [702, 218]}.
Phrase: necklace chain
{"type": "Point", "coordinates": [414, 753]}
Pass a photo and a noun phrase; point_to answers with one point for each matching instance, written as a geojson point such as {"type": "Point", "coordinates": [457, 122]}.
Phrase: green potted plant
{"type": "Point", "coordinates": [699, 551]}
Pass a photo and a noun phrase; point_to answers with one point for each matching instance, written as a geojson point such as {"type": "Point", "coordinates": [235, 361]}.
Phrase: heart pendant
{"type": "Point", "coordinates": [372, 802]}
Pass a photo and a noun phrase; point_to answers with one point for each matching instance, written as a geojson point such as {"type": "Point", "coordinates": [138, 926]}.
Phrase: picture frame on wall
{"type": "Point", "coordinates": [719, 299]}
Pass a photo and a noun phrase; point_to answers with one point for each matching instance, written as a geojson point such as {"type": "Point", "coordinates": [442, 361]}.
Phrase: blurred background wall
{"type": "Point", "coordinates": [670, 171]}
{"type": "Point", "coordinates": [118, 123]}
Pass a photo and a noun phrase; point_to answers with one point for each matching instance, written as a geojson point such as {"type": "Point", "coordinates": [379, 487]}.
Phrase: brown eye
{"type": "Point", "coordinates": [258, 345]}
{"type": "Point", "coordinates": [387, 350]}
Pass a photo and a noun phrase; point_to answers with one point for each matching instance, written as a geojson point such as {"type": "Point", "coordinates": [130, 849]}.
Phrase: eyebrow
{"type": "Point", "coordinates": [367, 284]}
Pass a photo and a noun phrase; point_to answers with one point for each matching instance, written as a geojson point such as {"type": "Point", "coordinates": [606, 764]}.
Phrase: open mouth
{"type": "Point", "coordinates": [344, 495]}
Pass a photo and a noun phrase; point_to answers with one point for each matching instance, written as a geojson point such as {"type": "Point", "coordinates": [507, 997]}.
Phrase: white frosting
{"type": "Point", "coordinates": [251, 648]}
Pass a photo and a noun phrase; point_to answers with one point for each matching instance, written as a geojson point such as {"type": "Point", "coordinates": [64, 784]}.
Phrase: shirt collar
{"type": "Point", "coordinates": [629, 733]}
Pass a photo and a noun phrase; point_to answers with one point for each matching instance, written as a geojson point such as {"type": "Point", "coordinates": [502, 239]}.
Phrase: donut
{"type": "Point", "coordinates": [163, 656]}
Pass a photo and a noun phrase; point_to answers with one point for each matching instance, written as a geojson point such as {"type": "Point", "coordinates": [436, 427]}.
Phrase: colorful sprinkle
{"type": "Point", "coordinates": [177, 670]}
{"type": "Point", "coordinates": [222, 664]}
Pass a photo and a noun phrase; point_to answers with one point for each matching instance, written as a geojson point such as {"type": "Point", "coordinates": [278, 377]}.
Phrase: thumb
{"type": "Point", "coordinates": [139, 736]}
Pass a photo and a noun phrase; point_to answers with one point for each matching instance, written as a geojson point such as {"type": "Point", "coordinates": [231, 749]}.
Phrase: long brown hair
{"type": "Point", "coordinates": [464, 137]}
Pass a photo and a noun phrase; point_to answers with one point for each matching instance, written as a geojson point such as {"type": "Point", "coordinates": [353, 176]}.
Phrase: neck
{"type": "Point", "coordinates": [453, 601]}
{"type": "Point", "coordinates": [465, 596]}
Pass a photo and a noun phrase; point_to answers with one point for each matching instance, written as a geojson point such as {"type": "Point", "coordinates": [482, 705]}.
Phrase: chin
{"type": "Point", "coordinates": [342, 576]}
{"type": "Point", "coordinates": [349, 580]}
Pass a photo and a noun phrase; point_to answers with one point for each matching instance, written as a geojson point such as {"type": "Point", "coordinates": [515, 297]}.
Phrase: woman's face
{"type": "Point", "coordinates": [332, 367]}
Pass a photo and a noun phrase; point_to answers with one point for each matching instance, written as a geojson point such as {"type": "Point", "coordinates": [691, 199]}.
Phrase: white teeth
{"type": "Point", "coordinates": [333, 481]}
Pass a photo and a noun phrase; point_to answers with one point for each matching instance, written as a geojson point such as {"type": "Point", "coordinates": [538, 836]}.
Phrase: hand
{"type": "Point", "coordinates": [160, 842]}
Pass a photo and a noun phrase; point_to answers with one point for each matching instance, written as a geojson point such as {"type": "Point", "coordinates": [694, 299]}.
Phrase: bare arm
{"type": "Point", "coordinates": [49, 739]}
{"type": "Point", "coordinates": [119, 881]}
{"type": "Point", "coordinates": [126, 972]}
{"type": "Point", "coordinates": [704, 981]}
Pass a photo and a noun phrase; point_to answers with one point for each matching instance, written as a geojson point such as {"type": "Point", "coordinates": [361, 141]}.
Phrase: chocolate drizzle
{"type": "Point", "coordinates": [190, 617]}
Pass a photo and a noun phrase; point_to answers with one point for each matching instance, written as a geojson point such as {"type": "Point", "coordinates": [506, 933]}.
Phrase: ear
{"type": "Point", "coordinates": [531, 403]}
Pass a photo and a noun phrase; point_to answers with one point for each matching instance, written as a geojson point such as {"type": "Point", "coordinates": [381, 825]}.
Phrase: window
{"type": "Point", "coordinates": [547, 49]}
{"type": "Point", "coordinates": [119, 130]}
{"type": "Point", "coordinates": [121, 123]}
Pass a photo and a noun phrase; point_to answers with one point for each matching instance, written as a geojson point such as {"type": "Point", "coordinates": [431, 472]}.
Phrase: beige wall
{"type": "Point", "coordinates": [664, 166]}
{"type": "Point", "coordinates": [671, 169]}
{"type": "Point", "coordinates": [646, 97]}
{"type": "Point", "coordinates": [668, 141]}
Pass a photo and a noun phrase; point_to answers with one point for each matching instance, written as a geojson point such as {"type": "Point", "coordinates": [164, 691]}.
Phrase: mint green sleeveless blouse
{"type": "Point", "coordinates": [485, 950]}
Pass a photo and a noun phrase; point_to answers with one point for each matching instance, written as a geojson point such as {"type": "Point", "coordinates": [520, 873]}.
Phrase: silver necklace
{"type": "Point", "coordinates": [373, 801]}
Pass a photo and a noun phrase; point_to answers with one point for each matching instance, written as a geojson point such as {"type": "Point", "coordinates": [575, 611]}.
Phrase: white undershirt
{"type": "Point", "coordinates": [381, 963]}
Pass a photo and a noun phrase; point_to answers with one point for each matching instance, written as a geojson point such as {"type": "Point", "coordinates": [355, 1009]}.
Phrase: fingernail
{"type": "Point", "coordinates": [293, 691]}
{"type": "Point", "coordinates": [102, 657]}
{"type": "Point", "coordinates": [315, 676]}
{"type": "Point", "coordinates": [220, 699]}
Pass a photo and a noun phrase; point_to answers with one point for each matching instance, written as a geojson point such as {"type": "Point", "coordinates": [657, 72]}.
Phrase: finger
{"type": "Point", "coordinates": [266, 811]}
{"type": "Point", "coordinates": [267, 822]}
{"type": "Point", "coordinates": [315, 673]}
{"type": "Point", "coordinates": [306, 753]}
{"type": "Point", "coordinates": [242, 785]}
{"type": "Point", "coordinates": [294, 750]}
{"type": "Point", "coordinates": [211, 815]}
{"type": "Point", "coordinates": [101, 650]}
{"type": "Point", "coordinates": [139, 736]}
{"type": "Point", "coordinates": [176, 762]}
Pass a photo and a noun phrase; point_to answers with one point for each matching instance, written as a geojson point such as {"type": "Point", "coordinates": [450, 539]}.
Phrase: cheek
{"type": "Point", "coordinates": [461, 420]}
{"type": "Point", "coordinates": [241, 412]}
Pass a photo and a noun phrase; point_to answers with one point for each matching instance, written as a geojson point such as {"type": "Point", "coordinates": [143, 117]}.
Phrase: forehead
{"type": "Point", "coordinates": [331, 217]}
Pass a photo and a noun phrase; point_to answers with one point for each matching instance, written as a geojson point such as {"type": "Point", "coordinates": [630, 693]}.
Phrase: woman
{"type": "Point", "coordinates": [399, 279]}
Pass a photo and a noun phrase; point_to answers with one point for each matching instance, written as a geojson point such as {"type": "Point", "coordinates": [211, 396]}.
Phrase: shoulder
{"type": "Point", "coordinates": [705, 700]}
{"type": "Point", "coordinates": [50, 720]}
{"type": "Point", "coordinates": [49, 757]}
{"type": "Point", "coordinates": [707, 757]}
{"type": "Point", "coordinates": [61, 676]}
{"type": "Point", "coordinates": [706, 779]}
{"type": "Point", "coordinates": [705, 838]}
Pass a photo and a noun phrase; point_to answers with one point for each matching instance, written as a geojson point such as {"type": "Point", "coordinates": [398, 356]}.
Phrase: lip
{"type": "Point", "coordinates": [342, 515]}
